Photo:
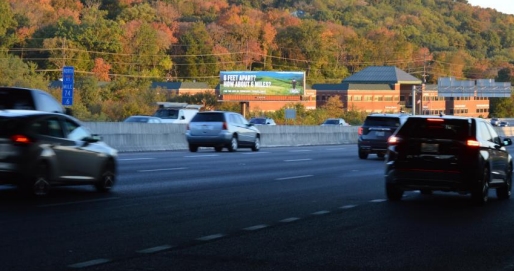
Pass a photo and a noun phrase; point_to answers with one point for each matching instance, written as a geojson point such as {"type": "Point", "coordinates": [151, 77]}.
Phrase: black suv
{"type": "Point", "coordinates": [451, 154]}
{"type": "Point", "coordinates": [375, 131]}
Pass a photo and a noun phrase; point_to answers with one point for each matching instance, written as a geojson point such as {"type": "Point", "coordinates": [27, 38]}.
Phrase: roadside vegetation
{"type": "Point", "coordinates": [118, 47]}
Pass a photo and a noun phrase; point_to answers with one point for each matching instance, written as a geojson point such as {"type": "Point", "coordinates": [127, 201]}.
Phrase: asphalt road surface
{"type": "Point", "coordinates": [296, 208]}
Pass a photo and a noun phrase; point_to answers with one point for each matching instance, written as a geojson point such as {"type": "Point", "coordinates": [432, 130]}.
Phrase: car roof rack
{"type": "Point", "coordinates": [179, 105]}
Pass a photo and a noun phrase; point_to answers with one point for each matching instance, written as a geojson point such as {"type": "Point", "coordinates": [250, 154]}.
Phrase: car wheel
{"type": "Point", "coordinates": [233, 144]}
{"type": "Point", "coordinates": [363, 155]}
{"type": "Point", "coordinates": [393, 193]}
{"type": "Point", "coordinates": [480, 195]}
{"type": "Point", "coordinates": [381, 154]}
{"type": "Point", "coordinates": [39, 185]}
{"type": "Point", "coordinates": [107, 179]}
{"type": "Point", "coordinates": [505, 191]}
{"type": "Point", "coordinates": [256, 144]}
{"type": "Point", "coordinates": [193, 148]}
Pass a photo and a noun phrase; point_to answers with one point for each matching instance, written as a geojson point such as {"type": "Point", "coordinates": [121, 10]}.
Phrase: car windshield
{"type": "Point", "coordinates": [258, 121]}
{"type": "Point", "coordinates": [332, 122]}
{"type": "Point", "coordinates": [137, 119]}
{"type": "Point", "coordinates": [166, 113]}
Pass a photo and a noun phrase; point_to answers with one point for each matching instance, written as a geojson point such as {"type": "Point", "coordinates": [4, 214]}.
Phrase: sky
{"type": "Point", "coordinates": [505, 6]}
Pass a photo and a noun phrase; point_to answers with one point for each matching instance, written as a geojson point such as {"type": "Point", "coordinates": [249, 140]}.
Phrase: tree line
{"type": "Point", "coordinates": [119, 46]}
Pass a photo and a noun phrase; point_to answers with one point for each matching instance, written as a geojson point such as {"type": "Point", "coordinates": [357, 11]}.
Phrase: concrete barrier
{"type": "Point", "coordinates": [130, 137]}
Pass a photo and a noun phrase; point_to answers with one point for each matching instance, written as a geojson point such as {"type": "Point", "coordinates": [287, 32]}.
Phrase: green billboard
{"type": "Point", "coordinates": [262, 83]}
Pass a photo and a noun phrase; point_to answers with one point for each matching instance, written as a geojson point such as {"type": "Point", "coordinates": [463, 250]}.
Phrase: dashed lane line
{"type": "Point", "coordinates": [89, 263]}
{"type": "Point", "coordinates": [289, 220]}
{"type": "Point", "coordinates": [324, 212]}
{"type": "Point", "coordinates": [293, 177]}
{"type": "Point", "coordinates": [256, 227]}
{"type": "Point", "coordinates": [298, 160]}
{"type": "Point", "coordinates": [154, 249]}
{"type": "Point", "coordinates": [161, 169]}
{"type": "Point", "coordinates": [210, 237]}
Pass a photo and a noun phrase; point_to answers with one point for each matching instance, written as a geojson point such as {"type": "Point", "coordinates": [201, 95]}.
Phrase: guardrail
{"type": "Point", "coordinates": [130, 137]}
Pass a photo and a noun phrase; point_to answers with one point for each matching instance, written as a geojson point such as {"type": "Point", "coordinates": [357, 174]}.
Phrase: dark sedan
{"type": "Point", "coordinates": [40, 149]}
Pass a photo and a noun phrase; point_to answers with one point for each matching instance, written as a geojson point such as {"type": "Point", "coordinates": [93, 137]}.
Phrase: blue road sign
{"type": "Point", "coordinates": [68, 74]}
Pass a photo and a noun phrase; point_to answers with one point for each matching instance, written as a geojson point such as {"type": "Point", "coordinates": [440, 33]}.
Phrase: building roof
{"type": "Point", "coordinates": [351, 86]}
{"type": "Point", "coordinates": [180, 85]}
{"type": "Point", "coordinates": [382, 74]}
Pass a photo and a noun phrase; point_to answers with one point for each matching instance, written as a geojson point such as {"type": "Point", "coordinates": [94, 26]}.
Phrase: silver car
{"type": "Point", "coordinates": [220, 129]}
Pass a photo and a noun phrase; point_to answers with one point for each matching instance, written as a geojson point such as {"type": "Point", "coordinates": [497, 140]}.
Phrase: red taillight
{"type": "Point", "coordinates": [435, 120]}
{"type": "Point", "coordinates": [187, 126]}
{"type": "Point", "coordinates": [473, 143]}
{"type": "Point", "coordinates": [393, 140]}
{"type": "Point", "coordinates": [20, 139]}
{"type": "Point", "coordinates": [225, 127]}
{"type": "Point", "coordinates": [359, 131]}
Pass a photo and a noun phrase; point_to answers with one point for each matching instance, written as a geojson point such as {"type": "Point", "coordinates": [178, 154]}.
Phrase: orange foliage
{"type": "Point", "coordinates": [166, 13]}
{"type": "Point", "coordinates": [215, 6]}
{"type": "Point", "coordinates": [101, 70]}
{"type": "Point", "coordinates": [231, 16]}
{"type": "Point", "coordinates": [166, 35]}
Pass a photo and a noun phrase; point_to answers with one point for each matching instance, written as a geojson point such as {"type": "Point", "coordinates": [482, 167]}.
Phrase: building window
{"type": "Point", "coordinates": [349, 97]}
{"type": "Point", "coordinates": [368, 98]}
{"type": "Point", "coordinates": [357, 98]}
{"type": "Point", "coordinates": [396, 98]}
{"type": "Point", "coordinates": [388, 98]}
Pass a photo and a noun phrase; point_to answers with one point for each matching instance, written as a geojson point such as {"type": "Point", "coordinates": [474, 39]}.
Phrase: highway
{"type": "Point", "coordinates": [284, 208]}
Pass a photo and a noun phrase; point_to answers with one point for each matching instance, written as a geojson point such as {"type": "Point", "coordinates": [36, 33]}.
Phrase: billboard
{"type": "Point", "coordinates": [262, 83]}
{"type": "Point", "coordinates": [450, 87]}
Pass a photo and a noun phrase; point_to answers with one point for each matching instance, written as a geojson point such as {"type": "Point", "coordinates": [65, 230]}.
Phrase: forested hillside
{"type": "Point", "coordinates": [132, 42]}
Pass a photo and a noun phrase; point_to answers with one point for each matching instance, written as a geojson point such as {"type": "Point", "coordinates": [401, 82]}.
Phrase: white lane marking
{"type": "Point", "coordinates": [289, 219]}
{"type": "Point", "coordinates": [293, 177]}
{"type": "Point", "coordinates": [154, 249]}
{"type": "Point", "coordinates": [210, 237]}
{"type": "Point", "coordinates": [134, 159]}
{"type": "Point", "coordinates": [89, 263]}
{"type": "Point", "coordinates": [349, 206]}
{"type": "Point", "coordinates": [298, 160]}
{"type": "Point", "coordinates": [324, 212]}
{"type": "Point", "coordinates": [254, 152]}
{"type": "Point", "coordinates": [378, 200]}
{"type": "Point", "coordinates": [205, 155]}
{"type": "Point", "coordinates": [161, 169]}
{"type": "Point", "coordinates": [300, 150]}
{"type": "Point", "coordinates": [256, 227]}
{"type": "Point", "coordinates": [75, 202]}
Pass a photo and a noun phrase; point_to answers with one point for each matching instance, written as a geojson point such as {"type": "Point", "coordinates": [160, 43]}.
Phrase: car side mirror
{"type": "Point", "coordinates": [507, 142]}
{"type": "Point", "coordinates": [182, 118]}
{"type": "Point", "coordinates": [68, 111]}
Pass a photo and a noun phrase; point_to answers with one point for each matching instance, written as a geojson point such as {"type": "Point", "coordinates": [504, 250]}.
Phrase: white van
{"type": "Point", "coordinates": [176, 112]}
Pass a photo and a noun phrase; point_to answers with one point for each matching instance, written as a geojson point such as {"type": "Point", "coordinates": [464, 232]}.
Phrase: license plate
{"type": "Point", "coordinates": [206, 127]}
{"type": "Point", "coordinates": [379, 133]}
{"type": "Point", "coordinates": [429, 147]}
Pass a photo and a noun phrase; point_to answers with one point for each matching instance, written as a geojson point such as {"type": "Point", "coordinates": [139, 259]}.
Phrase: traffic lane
{"type": "Point", "coordinates": [158, 220]}
{"type": "Point", "coordinates": [439, 232]}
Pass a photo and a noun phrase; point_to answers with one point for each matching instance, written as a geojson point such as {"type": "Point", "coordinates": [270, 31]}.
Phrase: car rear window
{"type": "Point", "coordinates": [16, 99]}
{"type": "Point", "coordinates": [208, 117]}
{"type": "Point", "coordinates": [382, 121]}
{"type": "Point", "coordinates": [8, 126]}
{"type": "Point", "coordinates": [437, 128]}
